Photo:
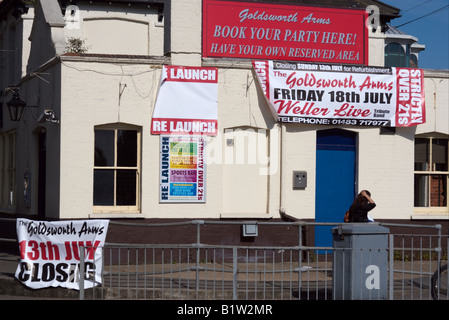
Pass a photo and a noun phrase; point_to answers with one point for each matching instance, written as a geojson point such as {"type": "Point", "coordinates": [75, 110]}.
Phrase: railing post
{"type": "Point", "coordinates": [438, 226]}
{"type": "Point", "coordinates": [234, 273]}
{"type": "Point", "coordinates": [197, 270]}
{"type": "Point", "coordinates": [81, 273]}
{"type": "Point", "coordinates": [391, 267]}
{"type": "Point", "coordinates": [198, 245]}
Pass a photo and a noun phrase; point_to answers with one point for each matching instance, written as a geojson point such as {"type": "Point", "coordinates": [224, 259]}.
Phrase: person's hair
{"type": "Point", "coordinates": [360, 199]}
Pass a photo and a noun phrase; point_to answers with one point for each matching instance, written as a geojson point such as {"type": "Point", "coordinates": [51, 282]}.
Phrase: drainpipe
{"type": "Point", "coordinates": [282, 209]}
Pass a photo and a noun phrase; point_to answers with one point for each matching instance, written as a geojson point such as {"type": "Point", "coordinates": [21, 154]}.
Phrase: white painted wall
{"type": "Point", "coordinates": [85, 92]}
{"type": "Point", "coordinates": [117, 30]}
{"type": "Point", "coordinates": [436, 85]}
{"type": "Point", "coordinates": [385, 161]}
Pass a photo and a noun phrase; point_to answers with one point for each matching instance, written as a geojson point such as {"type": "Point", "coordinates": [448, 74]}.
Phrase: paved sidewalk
{"type": "Point", "coordinates": [406, 285]}
{"type": "Point", "coordinates": [12, 289]}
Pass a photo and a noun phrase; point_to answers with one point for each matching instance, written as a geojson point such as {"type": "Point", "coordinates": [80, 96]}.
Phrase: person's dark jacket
{"type": "Point", "coordinates": [359, 212]}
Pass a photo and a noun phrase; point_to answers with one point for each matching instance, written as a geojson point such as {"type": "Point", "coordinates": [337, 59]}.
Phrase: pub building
{"type": "Point", "coordinates": [152, 111]}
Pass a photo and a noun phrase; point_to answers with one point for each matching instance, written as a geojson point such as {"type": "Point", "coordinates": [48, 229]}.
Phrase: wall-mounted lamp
{"type": "Point", "coordinates": [16, 106]}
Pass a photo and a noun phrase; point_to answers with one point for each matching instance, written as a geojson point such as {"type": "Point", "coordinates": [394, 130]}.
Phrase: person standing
{"type": "Point", "coordinates": [358, 212]}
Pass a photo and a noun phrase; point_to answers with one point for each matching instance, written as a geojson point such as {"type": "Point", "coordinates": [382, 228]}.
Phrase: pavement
{"type": "Point", "coordinates": [13, 289]}
{"type": "Point", "coordinates": [406, 286]}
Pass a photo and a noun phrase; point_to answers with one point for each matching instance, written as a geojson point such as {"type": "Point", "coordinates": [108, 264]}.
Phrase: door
{"type": "Point", "coordinates": [245, 183]}
{"type": "Point", "coordinates": [335, 179]}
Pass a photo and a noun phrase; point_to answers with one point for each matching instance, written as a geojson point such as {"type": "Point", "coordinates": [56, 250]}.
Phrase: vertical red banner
{"type": "Point", "coordinates": [410, 106]}
{"type": "Point", "coordinates": [263, 72]}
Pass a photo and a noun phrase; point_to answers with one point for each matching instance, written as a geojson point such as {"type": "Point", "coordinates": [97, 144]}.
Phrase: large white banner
{"type": "Point", "coordinates": [186, 102]}
{"type": "Point", "coordinates": [328, 94]}
{"type": "Point", "coordinates": [50, 252]}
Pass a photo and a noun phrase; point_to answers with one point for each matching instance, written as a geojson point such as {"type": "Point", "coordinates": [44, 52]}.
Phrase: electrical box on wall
{"type": "Point", "coordinates": [249, 230]}
{"type": "Point", "coordinates": [299, 179]}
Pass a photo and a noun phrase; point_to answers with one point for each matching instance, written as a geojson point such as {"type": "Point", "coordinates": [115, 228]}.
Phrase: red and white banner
{"type": "Point", "coordinates": [342, 94]}
{"type": "Point", "coordinates": [186, 101]}
{"type": "Point", "coordinates": [256, 30]}
{"type": "Point", "coordinates": [50, 252]}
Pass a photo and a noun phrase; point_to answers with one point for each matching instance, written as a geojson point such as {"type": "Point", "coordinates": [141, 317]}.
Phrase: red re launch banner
{"type": "Point", "coordinates": [186, 101]}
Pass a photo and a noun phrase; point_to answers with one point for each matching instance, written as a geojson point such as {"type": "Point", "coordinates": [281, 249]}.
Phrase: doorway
{"type": "Point", "coordinates": [245, 159]}
{"type": "Point", "coordinates": [336, 166]}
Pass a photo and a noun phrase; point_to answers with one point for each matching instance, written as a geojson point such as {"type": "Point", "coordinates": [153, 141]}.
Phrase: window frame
{"type": "Point", "coordinates": [431, 171]}
{"type": "Point", "coordinates": [114, 209]}
{"type": "Point", "coordinates": [391, 54]}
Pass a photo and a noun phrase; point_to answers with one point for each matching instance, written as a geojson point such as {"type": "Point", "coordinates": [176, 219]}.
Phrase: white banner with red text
{"type": "Point", "coordinates": [186, 101]}
{"type": "Point", "coordinates": [50, 252]}
{"type": "Point", "coordinates": [328, 94]}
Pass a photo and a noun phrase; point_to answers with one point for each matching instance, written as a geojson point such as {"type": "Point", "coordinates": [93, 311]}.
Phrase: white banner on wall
{"type": "Point", "coordinates": [186, 101]}
{"type": "Point", "coordinates": [50, 252]}
{"type": "Point", "coordinates": [183, 170]}
{"type": "Point", "coordinates": [309, 93]}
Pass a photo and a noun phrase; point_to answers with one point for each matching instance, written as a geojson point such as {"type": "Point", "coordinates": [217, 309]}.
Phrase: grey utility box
{"type": "Point", "coordinates": [300, 179]}
{"type": "Point", "coordinates": [360, 266]}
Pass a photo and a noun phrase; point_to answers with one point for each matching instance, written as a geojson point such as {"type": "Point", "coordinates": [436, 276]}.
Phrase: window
{"type": "Point", "coordinates": [117, 170]}
{"type": "Point", "coordinates": [8, 170]}
{"type": "Point", "coordinates": [395, 55]}
{"type": "Point", "coordinates": [431, 172]}
{"type": "Point", "coordinates": [413, 61]}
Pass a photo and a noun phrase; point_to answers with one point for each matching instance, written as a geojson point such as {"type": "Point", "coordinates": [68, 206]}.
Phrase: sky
{"type": "Point", "coordinates": [431, 30]}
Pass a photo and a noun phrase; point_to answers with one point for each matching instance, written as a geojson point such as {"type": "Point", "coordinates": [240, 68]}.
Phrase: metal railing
{"type": "Point", "coordinates": [204, 271]}
{"type": "Point", "coordinates": [416, 264]}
